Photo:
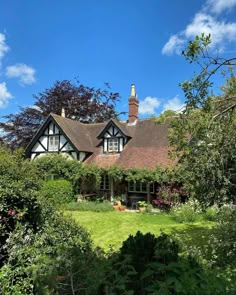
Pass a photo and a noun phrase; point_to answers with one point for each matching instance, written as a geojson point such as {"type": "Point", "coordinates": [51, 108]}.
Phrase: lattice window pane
{"type": "Point", "coordinates": [113, 145]}
{"type": "Point", "coordinates": [53, 143]}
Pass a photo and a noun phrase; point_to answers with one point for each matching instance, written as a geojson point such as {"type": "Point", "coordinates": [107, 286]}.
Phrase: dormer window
{"type": "Point", "coordinates": [53, 143]}
{"type": "Point", "coordinates": [113, 145]}
{"type": "Point", "coordinates": [114, 136]}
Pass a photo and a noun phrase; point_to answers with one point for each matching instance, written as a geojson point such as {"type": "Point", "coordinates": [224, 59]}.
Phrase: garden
{"type": "Point", "coordinates": [51, 243]}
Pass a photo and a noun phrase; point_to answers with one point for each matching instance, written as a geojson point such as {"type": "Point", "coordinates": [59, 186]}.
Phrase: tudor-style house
{"type": "Point", "coordinates": [133, 143]}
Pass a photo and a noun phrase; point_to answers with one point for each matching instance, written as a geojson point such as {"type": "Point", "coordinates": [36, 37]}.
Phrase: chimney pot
{"type": "Point", "coordinates": [63, 113]}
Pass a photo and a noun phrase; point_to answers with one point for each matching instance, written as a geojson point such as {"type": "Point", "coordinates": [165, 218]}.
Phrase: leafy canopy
{"type": "Point", "coordinates": [204, 135]}
{"type": "Point", "coordinates": [82, 103]}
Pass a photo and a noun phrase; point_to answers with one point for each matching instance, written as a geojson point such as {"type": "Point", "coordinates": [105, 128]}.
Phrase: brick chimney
{"type": "Point", "coordinates": [133, 105]}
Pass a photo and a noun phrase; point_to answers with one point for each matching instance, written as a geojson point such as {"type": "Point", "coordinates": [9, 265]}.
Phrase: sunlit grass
{"type": "Point", "coordinates": [110, 229]}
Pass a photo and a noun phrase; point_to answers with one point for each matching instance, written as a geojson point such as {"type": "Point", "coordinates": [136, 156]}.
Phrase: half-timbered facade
{"type": "Point", "coordinates": [133, 143]}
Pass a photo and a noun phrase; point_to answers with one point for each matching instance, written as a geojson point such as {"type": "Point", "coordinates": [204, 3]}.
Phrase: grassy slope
{"type": "Point", "coordinates": [112, 228]}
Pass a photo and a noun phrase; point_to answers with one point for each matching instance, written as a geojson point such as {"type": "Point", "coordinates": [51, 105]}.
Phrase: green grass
{"type": "Point", "coordinates": [110, 229]}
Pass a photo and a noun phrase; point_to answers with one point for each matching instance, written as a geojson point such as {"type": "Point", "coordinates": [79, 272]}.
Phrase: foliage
{"type": "Point", "coordinates": [147, 175]}
{"type": "Point", "coordinates": [57, 166]}
{"type": "Point", "coordinates": [204, 134]}
{"type": "Point", "coordinates": [149, 208]}
{"type": "Point", "coordinates": [57, 192]}
{"type": "Point", "coordinates": [41, 251]}
{"type": "Point", "coordinates": [150, 265]}
{"type": "Point", "coordinates": [164, 116]}
{"type": "Point", "coordinates": [115, 173]}
{"type": "Point", "coordinates": [82, 103]}
{"type": "Point", "coordinates": [90, 206]}
{"type": "Point", "coordinates": [187, 212]}
{"type": "Point", "coordinates": [211, 213]}
{"type": "Point", "coordinates": [221, 248]}
{"type": "Point", "coordinates": [18, 195]}
{"type": "Point", "coordinates": [89, 173]}
{"type": "Point", "coordinates": [57, 259]}
{"type": "Point", "coordinates": [142, 204]}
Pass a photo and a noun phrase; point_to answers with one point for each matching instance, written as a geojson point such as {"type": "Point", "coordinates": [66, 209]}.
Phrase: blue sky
{"type": "Point", "coordinates": [119, 42]}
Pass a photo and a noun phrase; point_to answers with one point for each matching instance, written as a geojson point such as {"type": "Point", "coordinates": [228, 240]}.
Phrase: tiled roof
{"type": "Point", "coordinates": [147, 146]}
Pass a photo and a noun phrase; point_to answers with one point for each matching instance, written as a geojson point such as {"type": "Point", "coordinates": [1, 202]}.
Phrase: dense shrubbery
{"type": "Point", "coordinates": [187, 212]}
{"type": "Point", "coordinates": [211, 213]}
{"type": "Point", "coordinates": [57, 166]}
{"type": "Point", "coordinates": [150, 265]}
{"type": "Point", "coordinates": [104, 206]}
{"type": "Point", "coordinates": [220, 250]}
{"type": "Point", "coordinates": [41, 251]}
{"type": "Point", "coordinates": [18, 195]}
{"type": "Point", "coordinates": [192, 211]}
{"type": "Point", "coordinates": [57, 192]}
{"type": "Point", "coordinates": [58, 259]}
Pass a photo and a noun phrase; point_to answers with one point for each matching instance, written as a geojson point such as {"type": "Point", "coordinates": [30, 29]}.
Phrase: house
{"type": "Point", "coordinates": [133, 143]}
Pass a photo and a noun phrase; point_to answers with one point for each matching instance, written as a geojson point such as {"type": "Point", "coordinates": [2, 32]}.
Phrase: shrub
{"type": "Point", "coordinates": [104, 206]}
{"type": "Point", "coordinates": [150, 265]}
{"type": "Point", "coordinates": [221, 248]}
{"type": "Point", "coordinates": [19, 183]}
{"type": "Point", "coordinates": [188, 212]}
{"type": "Point", "coordinates": [58, 192]}
{"type": "Point", "coordinates": [149, 208]}
{"type": "Point", "coordinates": [211, 213]}
{"type": "Point", "coordinates": [58, 259]}
{"type": "Point", "coordinates": [57, 165]}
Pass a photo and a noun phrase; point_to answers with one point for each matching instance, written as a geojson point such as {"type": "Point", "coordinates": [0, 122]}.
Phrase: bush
{"type": "Point", "coordinates": [188, 212]}
{"type": "Point", "coordinates": [211, 213]}
{"type": "Point", "coordinates": [149, 208]}
{"type": "Point", "coordinates": [19, 183]}
{"type": "Point", "coordinates": [58, 259]}
{"type": "Point", "coordinates": [58, 192]}
{"type": "Point", "coordinates": [58, 166]}
{"type": "Point", "coordinates": [150, 265]}
{"type": "Point", "coordinates": [104, 206]}
{"type": "Point", "coordinates": [221, 248]}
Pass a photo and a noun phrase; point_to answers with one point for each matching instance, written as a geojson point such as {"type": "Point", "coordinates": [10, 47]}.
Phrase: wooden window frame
{"type": "Point", "coordinates": [54, 145]}
{"type": "Point", "coordinates": [136, 184]}
{"type": "Point", "coordinates": [113, 145]}
{"type": "Point", "coordinates": [105, 183]}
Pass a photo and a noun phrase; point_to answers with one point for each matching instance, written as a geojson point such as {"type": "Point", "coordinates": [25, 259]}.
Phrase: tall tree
{"type": "Point", "coordinates": [204, 136]}
{"type": "Point", "coordinates": [82, 103]}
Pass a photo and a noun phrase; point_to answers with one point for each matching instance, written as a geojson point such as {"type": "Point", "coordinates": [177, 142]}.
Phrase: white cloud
{"type": "Point", "coordinates": [5, 95]}
{"type": "Point", "coordinates": [174, 45]}
{"type": "Point", "coordinates": [220, 31]}
{"type": "Point", "coordinates": [218, 6]}
{"type": "Point", "coordinates": [25, 73]}
{"type": "Point", "coordinates": [204, 22]}
{"type": "Point", "coordinates": [173, 104]}
{"type": "Point", "coordinates": [3, 46]}
{"type": "Point", "coordinates": [148, 105]}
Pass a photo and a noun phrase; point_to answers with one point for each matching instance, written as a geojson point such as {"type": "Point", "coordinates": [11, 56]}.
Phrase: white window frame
{"type": "Point", "coordinates": [113, 144]}
{"type": "Point", "coordinates": [53, 143]}
{"type": "Point", "coordinates": [139, 187]}
{"type": "Point", "coordinates": [105, 183]}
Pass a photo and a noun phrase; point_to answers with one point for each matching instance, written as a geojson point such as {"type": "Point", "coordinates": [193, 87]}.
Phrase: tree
{"type": "Point", "coordinates": [82, 103]}
{"type": "Point", "coordinates": [204, 135]}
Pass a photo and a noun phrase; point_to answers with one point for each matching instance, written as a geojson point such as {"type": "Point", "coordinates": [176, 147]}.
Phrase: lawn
{"type": "Point", "coordinates": [110, 229]}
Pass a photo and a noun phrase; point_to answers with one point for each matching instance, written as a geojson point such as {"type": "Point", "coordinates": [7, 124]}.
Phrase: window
{"type": "Point", "coordinates": [53, 143]}
{"type": "Point", "coordinates": [104, 185]}
{"type": "Point", "coordinates": [140, 187]}
{"type": "Point", "coordinates": [113, 145]}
